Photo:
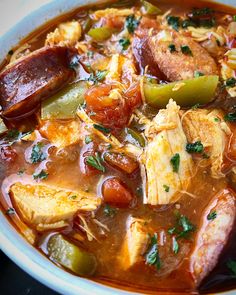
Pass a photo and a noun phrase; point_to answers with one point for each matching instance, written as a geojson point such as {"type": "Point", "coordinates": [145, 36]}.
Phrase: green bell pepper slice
{"type": "Point", "coordinates": [150, 8]}
{"type": "Point", "coordinates": [100, 34]}
{"type": "Point", "coordinates": [134, 137]}
{"type": "Point", "coordinates": [186, 93]}
{"type": "Point", "coordinates": [64, 104]}
{"type": "Point", "coordinates": [71, 256]}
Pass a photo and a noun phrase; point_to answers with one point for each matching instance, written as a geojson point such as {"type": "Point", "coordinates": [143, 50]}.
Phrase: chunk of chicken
{"type": "Point", "coordinates": [135, 244]}
{"type": "Point", "coordinates": [168, 140]}
{"type": "Point", "coordinates": [111, 12]}
{"type": "Point", "coordinates": [213, 234]}
{"type": "Point", "coordinates": [61, 133]}
{"type": "Point", "coordinates": [46, 207]}
{"type": "Point", "coordinates": [208, 127]}
{"type": "Point", "coordinates": [66, 34]}
{"type": "Point", "coordinates": [182, 63]}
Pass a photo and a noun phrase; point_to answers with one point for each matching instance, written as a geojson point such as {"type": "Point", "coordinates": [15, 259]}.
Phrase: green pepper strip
{"type": "Point", "coordinates": [186, 93]}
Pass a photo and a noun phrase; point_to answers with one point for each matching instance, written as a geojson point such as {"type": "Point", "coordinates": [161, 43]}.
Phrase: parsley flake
{"type": "Point", "coordinates": [175, 161]}
{"type": "Point", "coordinates": [88, 139]}
{"type": "Point", "coordinates": [109, 211]}
{"type": "Point", "coordinates": [96, 162]}
{"type": "Point", "coordinates": [41, 175]}
{"type": "Point", "coordinates": [124, 43]}
{"type": "Point", "coordinates": [97, 77]}
{"type": "Point", "coordinates": [152, 256]}
{"type": "Point", "coordinates": [37, 154]}
{"type": "Point", "coordinates": [172, 48]}
{"type": "Point", "coordinates": [195, 147]}
{"type": "Point", "coordinates": [173, 21]}
{"type": "Point", "coordinates": [198, 74]}
{"type": "Point", "coordinates": [131, 23]}
{"type": "Point", "coordinates": [175, 246]}
{"type": "Point", "coordinates": [186, 50]}
{"type": "Point", "coordinates": [166, 188]}
{"type": "Point", "coordinates": [230, 82]}
{"type": "Point", "coordinates": [212, 215]}
{"type": "Point", "coordinates": [230, 117]}
{"type": "Point", "coordinates": [232, 266]}
{"type": "Point", "coordinates": [102, 128]}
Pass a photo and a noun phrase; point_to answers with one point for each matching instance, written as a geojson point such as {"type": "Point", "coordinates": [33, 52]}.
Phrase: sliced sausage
{"type": "Point", "coordinates": [34, 78]}
{"type": "Point", "coordinates": [213, 235]}
{"type": "Point", "coordinates": [176, 65]}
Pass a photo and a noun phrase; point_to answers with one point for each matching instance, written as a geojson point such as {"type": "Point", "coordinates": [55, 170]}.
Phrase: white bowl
{"type": "Point", "coordinates": [11, 242]}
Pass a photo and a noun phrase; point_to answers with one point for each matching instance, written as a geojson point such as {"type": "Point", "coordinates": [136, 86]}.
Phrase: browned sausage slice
{"type": "Point", "coordinates": [213, 235]}
{"type": "Point", "coordinates": [34, 78]}
{"type": "Point", "coordinates": [175, 65]}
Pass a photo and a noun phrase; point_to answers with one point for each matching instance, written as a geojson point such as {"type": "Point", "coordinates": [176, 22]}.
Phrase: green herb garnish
{"type": "Point", "coordinates": [183, 227]}
{"type": "Point", "coordinates": [152, 256]}
{"type": "Point", "coordinates": [231, 82]}
{"type": "Point", "coordinates": [37, 154]}
{"type": "Point", "coordinates": [186, 50]}
{"type": "Point", "coordinates": [41, 175]}
{"type": "Point", "coordinates": [102, 128]}
{"type": "Point", "coordinates": [175, 246]}
{"type": "Point", "coordinates": [198, 74]}
{"type": "Point", "coordinates": [166, 188]}
{"type": "Point", "coordinates": [195, 147]}
{"type": "Point", "coordinates": [172, 48]}
{"type": "Point", "coordinates": [131, 23]}
{"type": "Point", "coordinates": [212, 215]}
{"type": "Point", "coordinates": [109, 211]}
{"type": "Point", "coordinates": [124, 43]}
{"type": "Point", "coordinates": [96, 162]}
{"type": "Point", "coordinates": [21, 171]}
{"type": "Point", "coordinates": [97, 77]}
{"type": "Point", "coordinates": [88, 139]}
{"type": "Point", "coordinates": [175, 161]}
{"type": "Point", "coordinates": [173, 21]}
{"type": "Point", "coordinates": [10, 211]}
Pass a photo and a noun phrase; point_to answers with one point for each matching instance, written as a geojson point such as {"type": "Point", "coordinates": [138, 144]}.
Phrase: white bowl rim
{"type": "Point", "coordinates": [11, 242]}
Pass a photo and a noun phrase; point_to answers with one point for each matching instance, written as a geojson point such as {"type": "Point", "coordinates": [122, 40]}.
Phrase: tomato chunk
{"type": "Point", "coordinates": [115, 193]}
{"type": "Point", "coordinates": [110, 112]}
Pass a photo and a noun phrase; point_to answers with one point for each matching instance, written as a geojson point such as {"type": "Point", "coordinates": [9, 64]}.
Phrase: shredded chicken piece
{"type": "Point", "coordinates": [47, 207]}
{"type": "Point", "coordinates": [135, 244]}
{"type": "Point", "coordinates": [66, 34]}
{"type": "Point", "coordinates": [111, 12]}
{"type": "Point", "coordinates": [162, 146]}
{"type": "Point", "coordinates": [206, 126]}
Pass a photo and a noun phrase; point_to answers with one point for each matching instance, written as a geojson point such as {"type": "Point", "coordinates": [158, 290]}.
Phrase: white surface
{"type": "Point", "coordinates": [11, 11]}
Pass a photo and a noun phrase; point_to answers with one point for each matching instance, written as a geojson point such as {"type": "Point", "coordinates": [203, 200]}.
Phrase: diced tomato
{"type": "Point", "coordinates": [7, 154]}
{"type": "Point", "coordinates": [112, 113]}
{"type": "Point", "coordinates": [115, 193]}
{"type": "Point", "coordinates": [133, 96]}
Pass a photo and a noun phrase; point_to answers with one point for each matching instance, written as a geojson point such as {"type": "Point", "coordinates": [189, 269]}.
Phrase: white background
{"type": "Point", "coordinates": [11, 11]}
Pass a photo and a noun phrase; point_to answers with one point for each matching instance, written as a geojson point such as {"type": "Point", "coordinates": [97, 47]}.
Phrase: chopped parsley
{"type": "Point", "coordinates": [96, 162]}
{"type": "Point", "coordinates": [124, 43]}
{"type": "Point", "coordinates": [97, 77]}
{"type": "Point", "coordinates": [175, 161]}
{"type": "Point", "coordinates": [183, 228]}
{"type": "Point", "coordinates": [230, 117]}
{"type": "Point", "coordinates": [109, 211]}
{"type": "Point", "coordinates": [196, 12]}
{"type": "Point", "coordinates": [37, 155]}
{"type": "Point", "coordinates": [102, 128]}
{"type": "Point", "coordinates": [73, 197]}
{"type": "Point", "coordinates": [232, 266]}
{"type": "Point", "coordinates": [196, 147]}
{"type": "Point", "coordinates": [205, 156]}
{"type": "Point", "coordinates": [234, 18]}
{"type": "Point", "coordinates": [14, 135]}
{"type": "Point", "coordinates": [175, 246]}
{"type": "Point", "coordinates": [173, 21]}
{"type": "Point", "coordinates": [186, 50]}
{"type": "Point", "coordinates": [231, 82]}
{"type": "Point", "coordinates": [212, 215]}
{"type": "Point", "coordinates": [88, 139]}
{"type": "Point", "coordinates": [217, 119]}
{"type": "Point", "coordinates": [196, 106]}
{"type": "Point", "coordinates": [131, 23]}
{"type": "Point", "coordinates": [90, 54]}
{"type": "Point", "coordinates": [74, 62]}
{"type": "Point", "coordinates": [188, 23]}
{"type": "Point", "coordinates": [10, 211]}
{"type": "Point", "coordinates": [172, 48]}
{"type": "Point", "coordinates": [41, 175]}
{"type": "Point", "coordinates": [166, 188]}
{"type": "Point", "coordinates": [198, 74]}
{"type": "Point", "coordinates": [152, 256]}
